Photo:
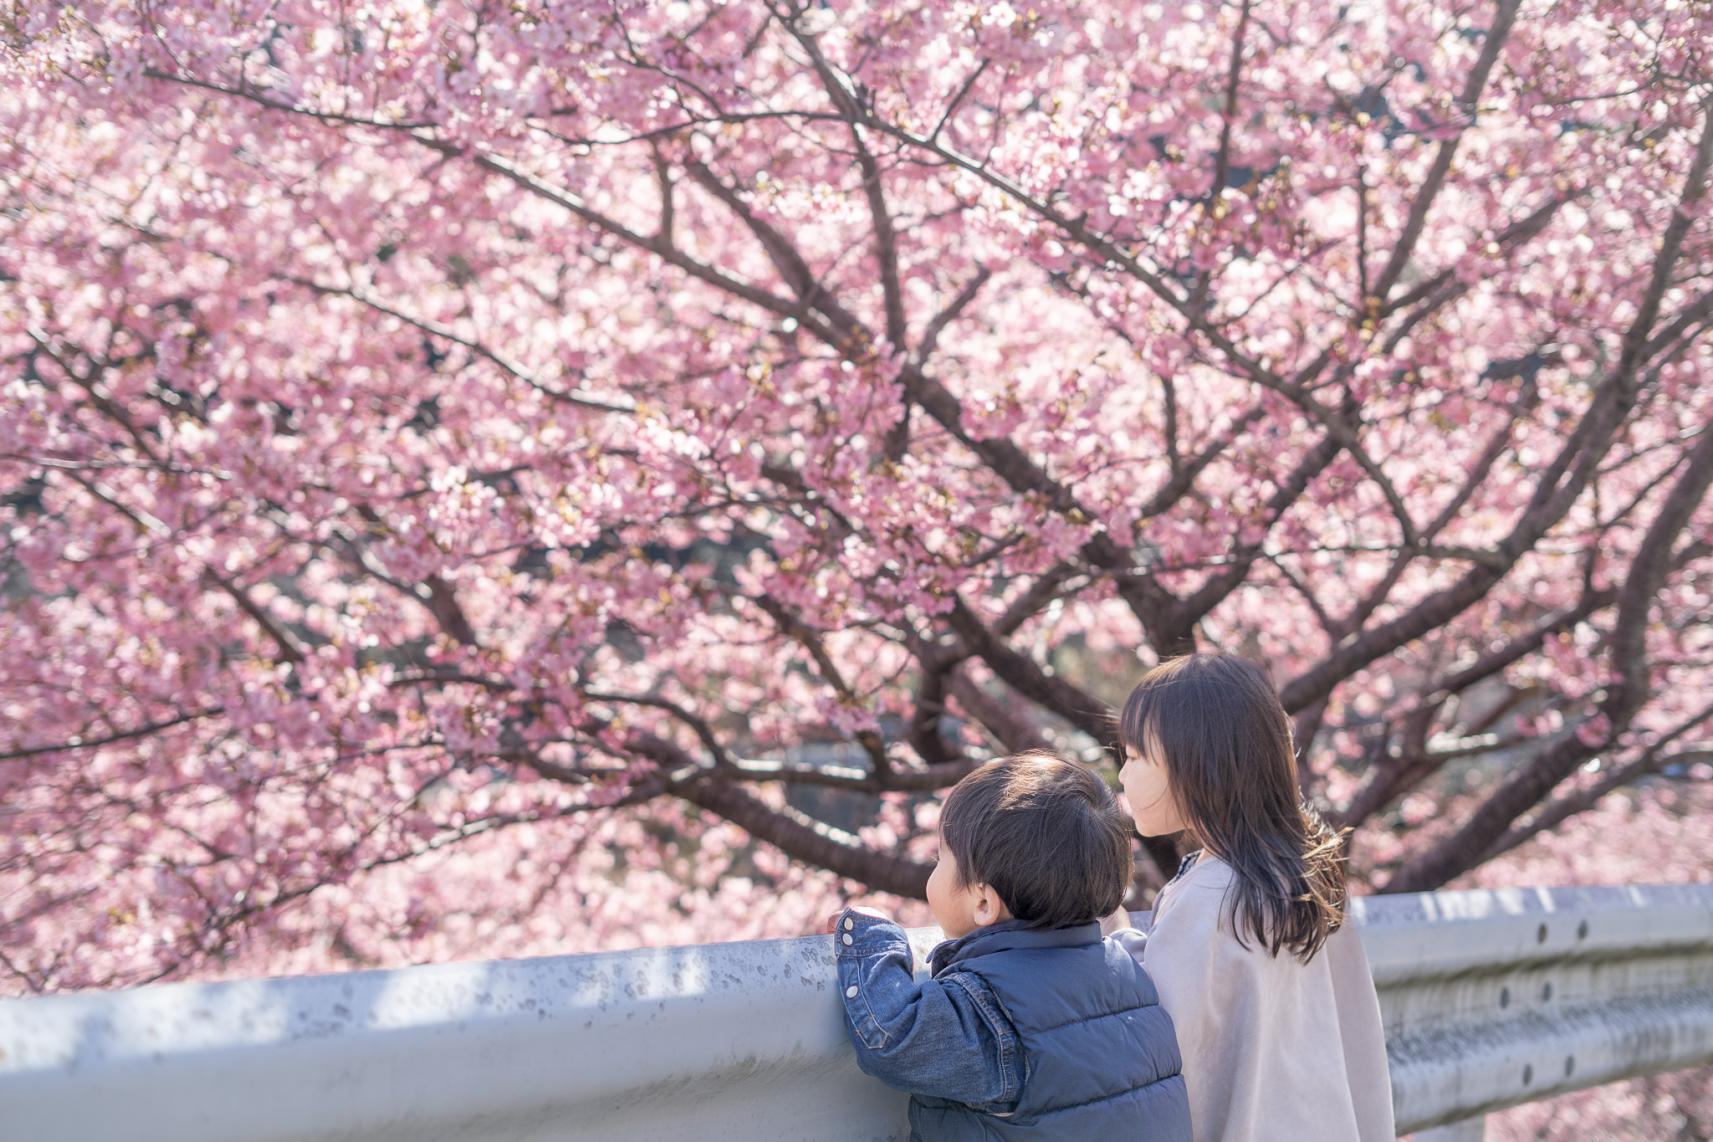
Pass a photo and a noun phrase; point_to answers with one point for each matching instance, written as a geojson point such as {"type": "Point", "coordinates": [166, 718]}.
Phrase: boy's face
{"type": "Point", "coordinates": [1148, 790]}
{"type": "Point", "coordinates": [960, 909]}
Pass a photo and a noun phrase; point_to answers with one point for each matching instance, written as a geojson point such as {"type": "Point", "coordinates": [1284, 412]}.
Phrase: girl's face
{"type": "Point", "coordinates": [1148, 790]}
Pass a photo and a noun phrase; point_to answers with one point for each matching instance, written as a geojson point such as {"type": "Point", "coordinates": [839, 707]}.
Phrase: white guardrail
{"type": "Point", "coordinates": [1490, 999]}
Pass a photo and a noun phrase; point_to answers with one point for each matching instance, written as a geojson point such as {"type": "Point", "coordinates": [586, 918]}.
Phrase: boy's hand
{"type": "Point", "coordinates": [833, 920]}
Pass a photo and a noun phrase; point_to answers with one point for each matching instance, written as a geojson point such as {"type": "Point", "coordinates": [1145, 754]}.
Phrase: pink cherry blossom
{"type": "Point", "coordinates": [482, 479]}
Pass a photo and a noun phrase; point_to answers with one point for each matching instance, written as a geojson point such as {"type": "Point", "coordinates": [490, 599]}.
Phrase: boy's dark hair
{"type": "Point", "coordinates": [1045, 833]}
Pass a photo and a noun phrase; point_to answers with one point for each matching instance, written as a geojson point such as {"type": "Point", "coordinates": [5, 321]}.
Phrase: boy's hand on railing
{"type": "Point", "coordinates": [833, 920]}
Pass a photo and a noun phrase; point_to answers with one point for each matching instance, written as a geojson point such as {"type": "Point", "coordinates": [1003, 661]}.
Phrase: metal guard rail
{"type": "Point", "coordinates": [1490, 999]}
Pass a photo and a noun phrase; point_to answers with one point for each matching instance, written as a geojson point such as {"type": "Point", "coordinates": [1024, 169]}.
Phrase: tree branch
{"type": "Point", "coordinates": [1028, 678]}
{"type": "Point", "coordinates": [1624, 697]}
{"type": "Point", "coordinates": [80, 743]}
{"type": "Point", "coordinates": [1504, 16]}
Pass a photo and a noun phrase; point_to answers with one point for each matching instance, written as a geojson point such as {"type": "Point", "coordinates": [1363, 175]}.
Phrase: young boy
{"type": "Point", "coordinates": [1032, 1025]}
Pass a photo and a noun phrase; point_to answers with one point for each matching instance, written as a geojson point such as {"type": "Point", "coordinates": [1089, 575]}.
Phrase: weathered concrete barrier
{"type": "Point", "coordinates": [1490, 999]}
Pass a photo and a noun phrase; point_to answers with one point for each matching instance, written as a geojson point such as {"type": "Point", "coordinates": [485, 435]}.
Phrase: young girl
{"type": "Point", "coordinates": [1268, 986]}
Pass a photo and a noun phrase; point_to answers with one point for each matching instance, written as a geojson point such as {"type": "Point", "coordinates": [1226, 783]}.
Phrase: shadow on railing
{"type": "Point", "coordinates": [1490, 999]}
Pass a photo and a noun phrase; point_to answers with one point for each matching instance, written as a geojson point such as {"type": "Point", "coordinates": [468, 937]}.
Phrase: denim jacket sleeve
{"type": "Point", "coordinates": [945, 1037]}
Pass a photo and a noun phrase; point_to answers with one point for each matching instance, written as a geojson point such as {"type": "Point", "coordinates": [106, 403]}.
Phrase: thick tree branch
{"type": "Point", "coordinates": [1024, 675]}
{"type": "Point", "coordinates": [805, 838]}
{"type": "Point", "coordinates": [795, 629]}
{"type": "Point", "coordinates": [1011, 727]}
{"type": "Point", "coordinates": [1624, 697]}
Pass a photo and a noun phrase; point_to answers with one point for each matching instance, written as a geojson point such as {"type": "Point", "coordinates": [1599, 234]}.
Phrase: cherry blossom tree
{"type": "Point", "coordinates": [474, 474]}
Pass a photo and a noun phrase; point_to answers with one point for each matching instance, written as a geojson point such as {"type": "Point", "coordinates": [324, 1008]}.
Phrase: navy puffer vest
{"type": "Point", "coordinates": [1100, 1059]}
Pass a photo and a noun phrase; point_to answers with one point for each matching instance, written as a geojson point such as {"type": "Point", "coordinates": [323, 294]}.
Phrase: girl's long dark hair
{"type": "Point", "coordinates": [1217, 725]}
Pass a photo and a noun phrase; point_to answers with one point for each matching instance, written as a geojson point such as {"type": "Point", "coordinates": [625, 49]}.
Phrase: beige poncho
{"type": "Point", "coordinates": [1273, 1048]}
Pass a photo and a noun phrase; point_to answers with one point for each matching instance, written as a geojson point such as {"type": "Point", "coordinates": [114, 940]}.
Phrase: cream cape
{"type": "Point", "coordinates": [1273, 1048]}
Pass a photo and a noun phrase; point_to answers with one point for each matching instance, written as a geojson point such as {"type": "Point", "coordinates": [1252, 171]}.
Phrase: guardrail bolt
{"type": "Point", "coordinates": [1528, 1073]}
{"type": "Point", "coordinates": [1582, 930]}
{"type": "Point", "coordinates": [1540, 936]}
{"type": "Point", "coordinates": [1546, 992]}
{"type": "Point", "coordinates": [1504, 998]}
{"type": "Point", "coordinates": [1569, 1065]}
